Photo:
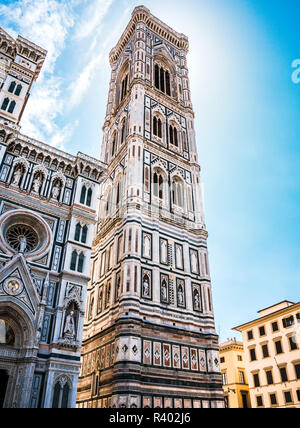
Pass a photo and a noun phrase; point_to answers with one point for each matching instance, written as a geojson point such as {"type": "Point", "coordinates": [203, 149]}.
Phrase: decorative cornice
{"type": "Point", "coordinates": [142, 14]}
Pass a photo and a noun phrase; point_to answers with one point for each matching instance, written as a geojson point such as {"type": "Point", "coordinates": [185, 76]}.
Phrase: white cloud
{"type": "Point", "coordinates": [45, 23]}
{"type": "Point", "coordinates": [91, 20]}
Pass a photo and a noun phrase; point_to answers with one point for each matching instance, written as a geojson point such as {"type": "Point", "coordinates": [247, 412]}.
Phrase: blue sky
{"type": "Point", "coordinates": [247, 122]}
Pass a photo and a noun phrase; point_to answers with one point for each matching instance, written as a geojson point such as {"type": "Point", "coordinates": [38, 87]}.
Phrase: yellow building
{"type": "Point", "coordinates": [272, 356]}
{"type": "Point", "coordinates": [235, 384]}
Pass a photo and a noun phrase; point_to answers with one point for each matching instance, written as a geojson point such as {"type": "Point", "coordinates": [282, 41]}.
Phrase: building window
{"type": "Point", "coordinates": [81, 233]}
{"type": "Point", "coordinates": [5, 104]}
{"type": "Point", "coordinates": [256, 380]}
{"type": "Point", "coordinates": [157, 127]}
{"type": "Point", "coordinates": [224, 378]}
{"type": "Point", "coordinates": [283, 374]}
{"type": "Point", "coordinates": [273, 399]}
{"type": "Point", "coordinates": [84, 234]}
{"type": "Point", "coordinates": [61, 396]}
{"type": "Point", "coordinates": [297, 370]}
{"type": "Point", "coordinates": [265, 351]}
{"type": "Point", "coordinates": [252, 354]}
{"type": "Point", "coordinates": [162, 80]}
{"type": "Point", "coordinates": [275, 326]}
{"type": "Point", "coordinates": [262, 331]}
{"type": "Point", "coordinates": [298, 394]}
{"type": "Point", "coordinates": [86, 196]}
{"type": "Point", "coordinates": [259, 401]}
{"type": "Point", "coordinates": [293, 343]}
{"type": "Point", "coordinates": [89, 197]}
{"type": "Point", "coordinates": [222, 360]}
{"type": "Point", "coordinates": [288, 397]}
{"type": "Point", "coordinates": [240, 358]}
{"type": "Point", "coordinates": [124, 87]}
{"type": "Point", "coordinates": [18, 90]}
{"type": "Point", "coordinates": [173, 136]}
{"type": "Point", "coordinates": [11, 107]}
{"type": "Point", "coordinates": [269, 375]}
{"type": "Point", "coordinates": [177, 192]}
{"type": "Point", "coordinates": [158, 185]}
{"type": "Point", "coordinates": [73, 261]}
{"type": "Point", "coordinates": [77, 232]}
{"type": "Point", "coordinates": [242, 377]}
{"type": "Point", "coordinates": [83, 195]}
{"type": "Point", "coordinates": [12, 87]}
{"type": "Point", "coordinates": [250, 335]}
{"type": "Point", "coordinates": [288, 322]}
{"type": "Point", "coordinates": [77, 262]}
{"type": "Point", "coordinates": [278, 347]}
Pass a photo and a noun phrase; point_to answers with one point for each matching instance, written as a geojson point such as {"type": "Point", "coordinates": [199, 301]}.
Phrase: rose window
{"type": "Point", "coordinates": [22, 237]}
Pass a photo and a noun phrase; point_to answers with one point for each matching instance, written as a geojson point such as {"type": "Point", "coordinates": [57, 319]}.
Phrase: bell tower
{"type": "Point", "coordinates": [20, 64]}
{"type": "Point", "coordinates": [150, 337]}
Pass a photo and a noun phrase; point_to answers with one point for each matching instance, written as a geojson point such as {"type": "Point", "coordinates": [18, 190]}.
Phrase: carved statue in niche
{"type": "Point", "coordinates": [70, 325]}
{"type": "Point", "coordinates": [196, 300]}
{"type": "Point", "coordinates": [146, 287]}
{"type": "Point", "coordinates": [56, 190]}
{"type": "Point", "coordinates": [17, 177]}
{"type": "Point", "coordinates": [70, 322]}
{"type": "Point", "coordinates": [37, 184]}
{"type": "Point", "coordinates": [164, 291]}
{"type": "Point", "coordinates": [180, 296]}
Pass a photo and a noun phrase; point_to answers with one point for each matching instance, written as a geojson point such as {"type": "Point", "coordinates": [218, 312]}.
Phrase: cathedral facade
{"type": "Point", "coordinates": [48, 211]}
{"type": "Point", "coordinates": [149, 334]}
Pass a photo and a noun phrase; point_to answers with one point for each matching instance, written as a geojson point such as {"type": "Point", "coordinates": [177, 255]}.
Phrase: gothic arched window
{"type": "Point", "coordinates": [11, 107]}
{"type": "Point", "coordinates": [177, 192]}
{"type": "Point", "coordinates": [89, 197]}
{"type": "Point", "coordinates": [158, 185]}
{"type": "Point", "coordinates": [12, 87]}
{"type": "Point", "coordinates": [80, 263]}
{"type": "Point", "coordinates": [84, 234]}
{"type": "Point", "coordinates": [5, 104]}
{"type": "Point", "coordinates": [61, 396]}
{"type": "Point", "coordinates": [173, 136]}
{"type": "Point", "coordinates": [18, 90]}
{"type": "Point", "coordinates": [74, 261]}
{"type": "Point", "coordinates": [157, 127]}
{"type": "Point", "coordinates": [77, 232]}
{"type": "Point", "coordinates": [83, 195]}
{"type": "Point", "coordinates": [124, 87]}
{"type": "Point", "coordinates": [162, 80]}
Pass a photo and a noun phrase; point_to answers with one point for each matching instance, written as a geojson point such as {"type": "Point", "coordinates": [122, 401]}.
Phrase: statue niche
{"type": "Point", "coordinates": [71, 321]}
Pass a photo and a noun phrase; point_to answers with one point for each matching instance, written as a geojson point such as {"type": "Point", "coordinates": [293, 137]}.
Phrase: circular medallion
{"type": "Point", "coordinates": [13, 286]}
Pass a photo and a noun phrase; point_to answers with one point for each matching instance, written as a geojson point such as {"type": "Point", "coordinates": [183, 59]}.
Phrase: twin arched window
{"type": "Point", "coordinates": [81, 233]}
{"type": "Point", "coordinates": [86, 196]}
{"type": "Point", "coordinates": [11, 107]}
{"type": "Point", "coordinates": [173, 136]}
{"type": "Point", "coordinates": [157, 127]}
{"type": "Point", "coordinates": [162, 80]}
{"type": "Point", "coordinates": [15, 89]}
{"type": "Point", "coordinates": [158, 185]}
{"type": "Point", "coordinates": [177, 192]}
{"type": "Point", "coordinates": [77, 262]}
{"type": "Point", "coordinates": [61, 396]}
